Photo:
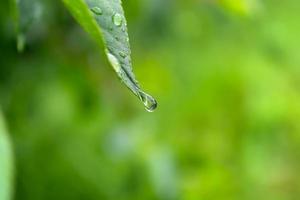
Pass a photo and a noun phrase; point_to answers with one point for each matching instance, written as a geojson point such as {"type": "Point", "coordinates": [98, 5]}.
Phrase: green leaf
{"type": "Point", "coordinates": [104, 19]}
{"type": "Point", "coordinates": [6, 168]}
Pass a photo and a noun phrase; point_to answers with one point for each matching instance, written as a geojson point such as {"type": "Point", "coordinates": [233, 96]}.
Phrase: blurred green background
{"type": "Point", "coordinates": [226, 75]}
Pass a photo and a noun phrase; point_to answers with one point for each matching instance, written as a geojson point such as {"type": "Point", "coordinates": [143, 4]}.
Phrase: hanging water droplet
{"type": "Point", "coordinates": [117, 19]}
{"type": "Point", "coordinates": [148, 101]}
{"type": "Point", "coordinates": [113, 61]}
{"type": "Point", "coordinates": [122, 54]}
{"type": "Point", "coordinates": [97, 10]}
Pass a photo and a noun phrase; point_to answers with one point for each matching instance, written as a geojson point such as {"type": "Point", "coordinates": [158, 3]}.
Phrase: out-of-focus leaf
{"type": "Point", "coordinates": [105, 19]}
{"type": "Point", "coordinates": [6, 167]}
{"type": "Point", "coordinates": [241, 7]}
{"type": "Point", "coordinates": [26, 13]}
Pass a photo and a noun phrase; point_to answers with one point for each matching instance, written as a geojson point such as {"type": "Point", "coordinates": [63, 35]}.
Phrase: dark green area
{"type": "Point", "coordinates": [226, 76]}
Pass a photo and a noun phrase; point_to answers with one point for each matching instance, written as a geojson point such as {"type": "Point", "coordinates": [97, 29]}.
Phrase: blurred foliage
{"type": "Point", "coordinates": [6, 168]}
{"type": "Point", "coordinates": [226, 74]}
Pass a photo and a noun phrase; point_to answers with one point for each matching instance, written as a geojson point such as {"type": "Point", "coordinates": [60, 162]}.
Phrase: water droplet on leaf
{"type": "Point", "coordinates": [149, 102]}
{"type": "Point", "coordinates": [117, 19]}
{"type": "Point", "coordinates": [113, 61]}
{"type": "Point", "coordinates": [97, 10]}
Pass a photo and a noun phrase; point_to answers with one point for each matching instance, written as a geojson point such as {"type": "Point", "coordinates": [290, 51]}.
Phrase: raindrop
{"type": "Point", "coordinates": [97, 10]}
{"type": "Point", "coordinates": [113, 61]}
{"type": "Point", "coordinates": [117, 19]}
{"type": "Point", "coordinates": [148, 101]}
